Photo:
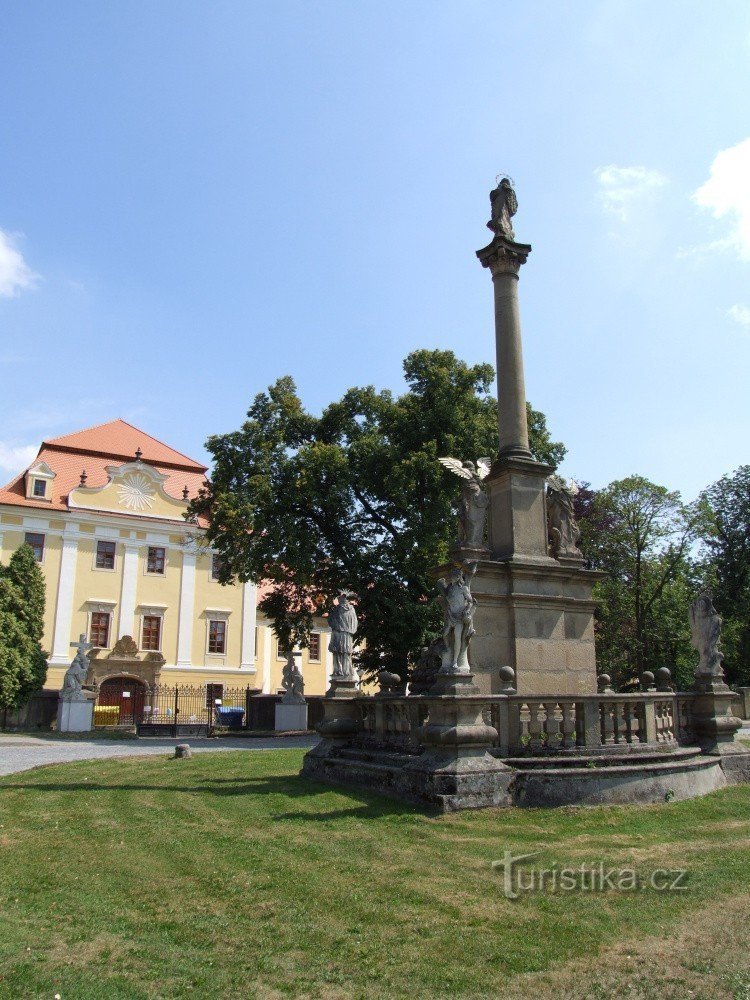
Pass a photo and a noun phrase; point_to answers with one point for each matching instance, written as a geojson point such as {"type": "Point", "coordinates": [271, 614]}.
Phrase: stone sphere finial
{"type": "Point", "coordinates": [664, 679]}
{"type": "Point", "coordinates": [507, 680]}
{"type": "Point", "coordinates": [605, 684]}
{"type": "Point", "coordinates": [647, 681]}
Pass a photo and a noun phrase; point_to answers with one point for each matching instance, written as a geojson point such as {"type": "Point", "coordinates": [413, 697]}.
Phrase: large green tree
{"type": "Point", "coordinates": [727, 543]}
{"type": "Point", "coordinates": [353, 499]}
{"type": "Point", "coordinates": [23, 664]}
{"type": "Point", "coordinates": [641, 535]}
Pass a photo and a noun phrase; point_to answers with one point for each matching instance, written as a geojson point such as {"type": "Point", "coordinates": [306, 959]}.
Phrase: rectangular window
{"type": "Point", "coordinates": [217, 636]}
{"type": "Point", "coordinates": [215, 566]}
{"type": "Point", "coordinates": [214, 691]}
{"type": "Point", "coordinates": [314, 652]}
{"type": "Point", "coordinates": [36, 542]}
{"type": "Point", "coordinates": [281, 651]}
{"type": "Point", "coordinates": [151, 633]}
{"type": "Point", "coordinates": [99, 634]}
{"type": "Point", "coordinates": [40, 488]}
{"type": "Point", "coordinates": [105, 555]}
{"type": "Point", "coordinates": [156, 559]}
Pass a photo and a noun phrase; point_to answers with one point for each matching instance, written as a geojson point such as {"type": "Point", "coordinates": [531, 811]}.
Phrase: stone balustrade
{"type": "Point", "coordinates": [542, 725]}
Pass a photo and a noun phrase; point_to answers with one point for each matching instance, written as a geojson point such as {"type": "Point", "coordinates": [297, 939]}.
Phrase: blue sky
{"type": "Point", "coordinates": [198, 198]}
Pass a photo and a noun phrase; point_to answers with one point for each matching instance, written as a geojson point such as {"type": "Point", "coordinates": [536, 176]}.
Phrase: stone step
{"type": "Point", "coordinates": [637, 758]}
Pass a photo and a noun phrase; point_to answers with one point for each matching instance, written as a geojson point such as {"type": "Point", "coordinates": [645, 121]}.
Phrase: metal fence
{"type": "Point", "coordinates": [189, 710]}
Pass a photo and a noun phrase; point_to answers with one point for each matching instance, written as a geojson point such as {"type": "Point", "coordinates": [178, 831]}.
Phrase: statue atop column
{"type": "Point", "coordinates": [472, 507]}
{"type": "Point", "coordinates": [343, 623]}
{"type": "Point", "coordinates": [705, 626]}
{"type": "Point", "coordinates": [504, 206]}
{"type": "Point", "coordinates": [563, 528]}
{"type": "Point", "coordinates": [458, 607]}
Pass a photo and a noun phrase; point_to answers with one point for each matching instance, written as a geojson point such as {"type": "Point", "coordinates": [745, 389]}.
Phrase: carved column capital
{"type": "Point", "coordinates": [502, 256]}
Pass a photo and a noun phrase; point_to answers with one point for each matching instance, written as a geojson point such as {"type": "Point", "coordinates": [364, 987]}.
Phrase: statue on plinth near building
{"type": "Point", "coordinates": [473, 503]}
{"type": "Point", "coordinates": [293, 682]}
{"type": "Point", "coordinates": [705, 628]}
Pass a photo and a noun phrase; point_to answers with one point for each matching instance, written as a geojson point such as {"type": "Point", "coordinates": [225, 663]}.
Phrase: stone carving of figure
{"type": "Point", "coordinates": [293, 682]}
{"type": "Point", "coordinates": [705, 626]}
{"type": "Point", "coordinates": [472, 508]}
{"type": "Point", "coordinates": [75, 675]}
{"type": "Point", "coordinates": [458, 617]}
{"type": "Point", "coordinates": [342, 620]}
{"type": "Point", "coordinates": [504, 206]}
{"type": "Point", "coordinates": [425, 670]}
{"type": "Point", "coordinates": [563, 528]}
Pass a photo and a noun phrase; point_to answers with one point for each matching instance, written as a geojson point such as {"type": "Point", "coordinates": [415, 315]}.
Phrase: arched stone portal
{"type": "Point", "coordinates": [120, 701]}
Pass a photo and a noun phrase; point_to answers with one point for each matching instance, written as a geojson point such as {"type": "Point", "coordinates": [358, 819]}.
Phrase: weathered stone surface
{"type": "Point", "coordinates": [182, 750]}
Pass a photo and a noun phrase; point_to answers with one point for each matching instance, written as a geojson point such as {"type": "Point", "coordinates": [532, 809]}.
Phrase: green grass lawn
{"type": "Point", "coordinates": [226, 875]}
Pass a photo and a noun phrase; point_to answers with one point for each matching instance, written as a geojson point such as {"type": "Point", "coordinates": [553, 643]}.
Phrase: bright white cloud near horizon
{"type": "Point", "coordinates": [15, 274]}
{"type": "Point", "coordinates": [726, 194]}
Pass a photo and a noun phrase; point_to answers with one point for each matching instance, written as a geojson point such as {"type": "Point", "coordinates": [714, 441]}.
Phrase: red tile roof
{"type": "Point", "coordinates": [95, 448]}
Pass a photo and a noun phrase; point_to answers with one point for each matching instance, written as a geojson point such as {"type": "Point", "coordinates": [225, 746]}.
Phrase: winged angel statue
{"type": "Point", "coordinates": [472, 508]}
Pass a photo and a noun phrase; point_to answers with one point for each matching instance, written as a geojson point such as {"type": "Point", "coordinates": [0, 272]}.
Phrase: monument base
{"type": "Point", "coordinates": [291, 718]}
{"type": "Point", "coordinates": [538, 618]}
{"type": "Point", "coordinates": [75, 716]}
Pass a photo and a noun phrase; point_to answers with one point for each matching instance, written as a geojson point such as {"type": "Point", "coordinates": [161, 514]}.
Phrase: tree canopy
{"type": "Point", "coordinates": [354, 499]}
{"type": "Point", "coordinates": [642, 535]}
{"type": "Point", "coordinates": [727, 545]}
{"type": "Point", "coordinates": [23, 665]}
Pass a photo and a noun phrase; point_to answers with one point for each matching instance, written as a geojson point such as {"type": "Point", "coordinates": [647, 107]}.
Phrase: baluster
{"type": "Point", "coordinates": [536, 725]}
{"type": "Point", "coordinates": [524, 719]}
{"type": "Point", "coordinates": [568, 726]}
{"type": "Point", "coordinates": [627, 720]}
{"type": "Point", "coordinates": [552, 725]}
{"type": "Point", "coordinates": [608, 723]}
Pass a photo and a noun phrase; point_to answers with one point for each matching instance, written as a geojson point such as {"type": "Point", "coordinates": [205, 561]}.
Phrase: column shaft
{"type": "Point", "coordinates": [127, 596]}
{"type": "Point", "coordinates": [511, 389]}
{"type": "Point", "coordinates": [187, 610]}
{"type": "Point", "coordinates": [65, 588]}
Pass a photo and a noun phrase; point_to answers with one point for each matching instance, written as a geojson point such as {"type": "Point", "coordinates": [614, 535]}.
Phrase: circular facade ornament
{"type": "Point", "coordinates": [136, 492]}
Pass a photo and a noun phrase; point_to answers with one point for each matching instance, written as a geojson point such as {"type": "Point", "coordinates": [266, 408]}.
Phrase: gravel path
{"type": "Point", "coordinates": [21, 753]}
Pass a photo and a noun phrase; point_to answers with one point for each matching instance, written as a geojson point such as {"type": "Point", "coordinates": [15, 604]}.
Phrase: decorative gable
{"type": "Point", "coordinates": [136, 489]}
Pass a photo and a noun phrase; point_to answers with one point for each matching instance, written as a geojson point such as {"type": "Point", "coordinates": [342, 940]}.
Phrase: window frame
{"type": "Point", "coordinates": [156, 572]}
{"type": "Point", "coordinates": [225, 630]}
{"type": "Point", "coordinates": [36, 534]}
{"type": "Point", "coordinates": [319, 638]}
{"type": "Point", "coordinates": [108, 616]}
{"type": "Point", "coordinates": [36, 485]}
{"type": "Point", "coordinates": [215, 557]}
{"type": "Point", "coordinates": [160, 631]}
{"type": "Point", "coordinates": [105, 541]}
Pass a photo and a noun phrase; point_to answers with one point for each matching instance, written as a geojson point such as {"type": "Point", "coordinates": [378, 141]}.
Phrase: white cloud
{"type": "Point", "coordinates": [726, 194]}
{"type": "Point", "coordinates": [15, 274]}
{"type": "Point", "coordinates": [16, 458]}
{"type": "Point", "coordinates": [622, 188]}
{"type": "Point", "coordinates": [740, 314]}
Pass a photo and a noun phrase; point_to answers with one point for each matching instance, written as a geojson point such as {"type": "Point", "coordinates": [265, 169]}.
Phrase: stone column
{"type": "Point", "coordinates": [249, 615]}
{"type": "Point", "coordinates": [65, 588]}
{"type": "Point", "coordinates": [504, 260]}
{"type": "Point", "coordinates": [268, 644]}
{"type": "Point", "coordinates": [129, 583]}
{"type": "Point", "coordinates": [187, 609]}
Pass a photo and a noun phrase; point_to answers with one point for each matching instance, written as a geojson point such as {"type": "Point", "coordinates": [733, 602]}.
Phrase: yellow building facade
{"type": "Point", "coordinates": [104, 511]}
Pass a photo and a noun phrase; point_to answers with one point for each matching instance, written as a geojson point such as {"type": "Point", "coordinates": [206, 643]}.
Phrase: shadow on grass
{"type": "Point", "coordinates": [291, 786]}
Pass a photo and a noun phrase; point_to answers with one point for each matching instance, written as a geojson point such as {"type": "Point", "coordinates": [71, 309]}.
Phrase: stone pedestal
{"type": "Point", "coordinates": [291, 718]}
{"type": "Point", "coordinates": [713, 723]}
{"type": "Point", "coordinates": [75, 716]}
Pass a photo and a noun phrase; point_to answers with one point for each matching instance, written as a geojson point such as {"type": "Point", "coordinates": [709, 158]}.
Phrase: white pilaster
{"type": "Point", "coordinates": [65, 586]}
{"type": "Point", "coordinates": [249, 599]}
{"type": "Point", "coordinates": [127, 594]}
{"type": "Point", "coordinates": [268, 646]}
{"type": "Point", "coordinates": [187, 609]}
